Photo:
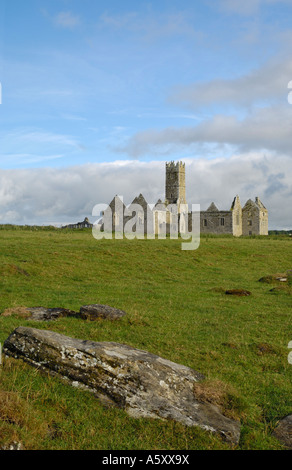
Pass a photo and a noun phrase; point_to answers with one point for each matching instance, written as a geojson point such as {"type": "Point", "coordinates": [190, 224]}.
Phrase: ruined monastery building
{"type": "Point", "coordinates": [166, 216]}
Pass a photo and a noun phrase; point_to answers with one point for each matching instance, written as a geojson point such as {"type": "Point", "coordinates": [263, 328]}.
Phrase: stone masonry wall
{"type": "Point", "coordinates": [216, 222]}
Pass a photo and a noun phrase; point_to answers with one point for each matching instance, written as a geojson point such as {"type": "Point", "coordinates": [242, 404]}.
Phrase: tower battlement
{"type": "Point", "coordinates": [175, 166]}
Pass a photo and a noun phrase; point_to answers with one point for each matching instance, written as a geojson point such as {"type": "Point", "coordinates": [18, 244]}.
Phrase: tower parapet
{"type": "Point", "coordinates": [173, 165]}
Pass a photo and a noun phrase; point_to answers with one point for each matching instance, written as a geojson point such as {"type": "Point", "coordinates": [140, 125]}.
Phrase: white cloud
{"type": "Point", "coordinates": [36, 145]}
{"type": "Point", "coordinates": [248, 7]}
{"type": "Point", "coordinates": [248, 175]}
{"type": "Point", "coordinates": [27, 158]}
{"type": "Point", "coordinates": [72, 117]}
{"type": "Point", "coordinates": [267, 128]}
{"type": "Point", "coordinates": [259, 116]}
{"type": "Point", "coordinates": [151, 26]}
{"type": "Point", "coordinates": [67, 19]}
{"type": "Point", "coordinates": [265, 84]}
{"type": "Point", "coordinates": [66, 195]}
{"type": "Point", "coordinates": [38, 137]}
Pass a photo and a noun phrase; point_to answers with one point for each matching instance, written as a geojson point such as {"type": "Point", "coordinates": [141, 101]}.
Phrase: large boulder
{"type": "Point", "coordinates": [144, 384]}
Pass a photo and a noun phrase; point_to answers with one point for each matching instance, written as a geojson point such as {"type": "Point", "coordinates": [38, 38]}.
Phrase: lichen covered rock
{"type": "Point", "coordinates": [144, 384]}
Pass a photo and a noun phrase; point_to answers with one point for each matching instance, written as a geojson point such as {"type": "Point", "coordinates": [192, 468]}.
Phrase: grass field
{"type": "Point", "coordinates": [176, 308]}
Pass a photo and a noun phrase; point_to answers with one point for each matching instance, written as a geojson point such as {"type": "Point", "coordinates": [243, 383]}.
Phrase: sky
{"type": "Point", "coordinates": [97, 96]}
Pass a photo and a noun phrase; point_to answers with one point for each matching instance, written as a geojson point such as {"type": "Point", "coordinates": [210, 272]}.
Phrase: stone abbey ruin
{"type": "Point", "coordinates": [167, 215]}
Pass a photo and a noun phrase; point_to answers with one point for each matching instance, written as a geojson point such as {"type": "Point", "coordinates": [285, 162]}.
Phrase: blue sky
{"type": "Point", "coordinates": [140, 83]}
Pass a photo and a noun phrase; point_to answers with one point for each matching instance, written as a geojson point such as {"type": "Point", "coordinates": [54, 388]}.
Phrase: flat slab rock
{"type": "Point", "coordinates": [144, 384]}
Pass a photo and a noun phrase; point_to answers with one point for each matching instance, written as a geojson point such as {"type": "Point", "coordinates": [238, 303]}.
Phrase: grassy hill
{"type": "Point", "coordinates": [176, 308]}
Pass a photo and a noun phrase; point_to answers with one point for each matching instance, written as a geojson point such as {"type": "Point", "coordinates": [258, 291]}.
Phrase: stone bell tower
{"type": "Point", "coordinates": [175, 183]}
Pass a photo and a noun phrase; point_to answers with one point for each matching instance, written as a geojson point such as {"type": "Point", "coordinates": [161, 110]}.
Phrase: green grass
{"type": "Point", "coordinates": [176, 308]}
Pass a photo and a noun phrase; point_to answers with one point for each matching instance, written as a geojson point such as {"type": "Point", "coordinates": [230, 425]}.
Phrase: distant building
{"type": "Point", "coordinates": [252, 219]}
{"type": "Point", "coordinates": [172, 214]}
{"type": "Point", "coordinates": [84, 224]}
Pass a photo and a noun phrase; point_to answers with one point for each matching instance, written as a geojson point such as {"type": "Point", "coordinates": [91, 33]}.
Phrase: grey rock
{"type": "Point", "coordinates": [283, 432]}
{"type": "Point", "coordinates": [94, 311]}
{"type": "Point", "coordinates": [143, 384]}
{"type": "Point", "coordinates": [47, 314]}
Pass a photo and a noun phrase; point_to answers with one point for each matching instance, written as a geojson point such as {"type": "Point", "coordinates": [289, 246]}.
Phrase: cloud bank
{"type": "Point", "coordinates": [267, 129]}
{"type": "Point", "coordinates": [248, 113]}
{"type": "Point", "coordinates": [265, 84]}
{"type": "Point", "coordinates": [248, 7]}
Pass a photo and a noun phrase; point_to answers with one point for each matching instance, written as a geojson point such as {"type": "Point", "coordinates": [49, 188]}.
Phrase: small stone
{"type": "Point", "coordinates": [95, 311]}
{"type": "Point", "coordinates": [280, 277]}
{"type": "Point", "coordinates": [47, 314]}
{"type": "Point", "coordinates": [238, 292]}
{"type": "Point", "coordinates": [283, 431]}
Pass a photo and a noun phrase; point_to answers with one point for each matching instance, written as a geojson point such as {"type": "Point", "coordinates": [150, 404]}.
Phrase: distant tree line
{"type": "Point", "coordinates": [288, 233]}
